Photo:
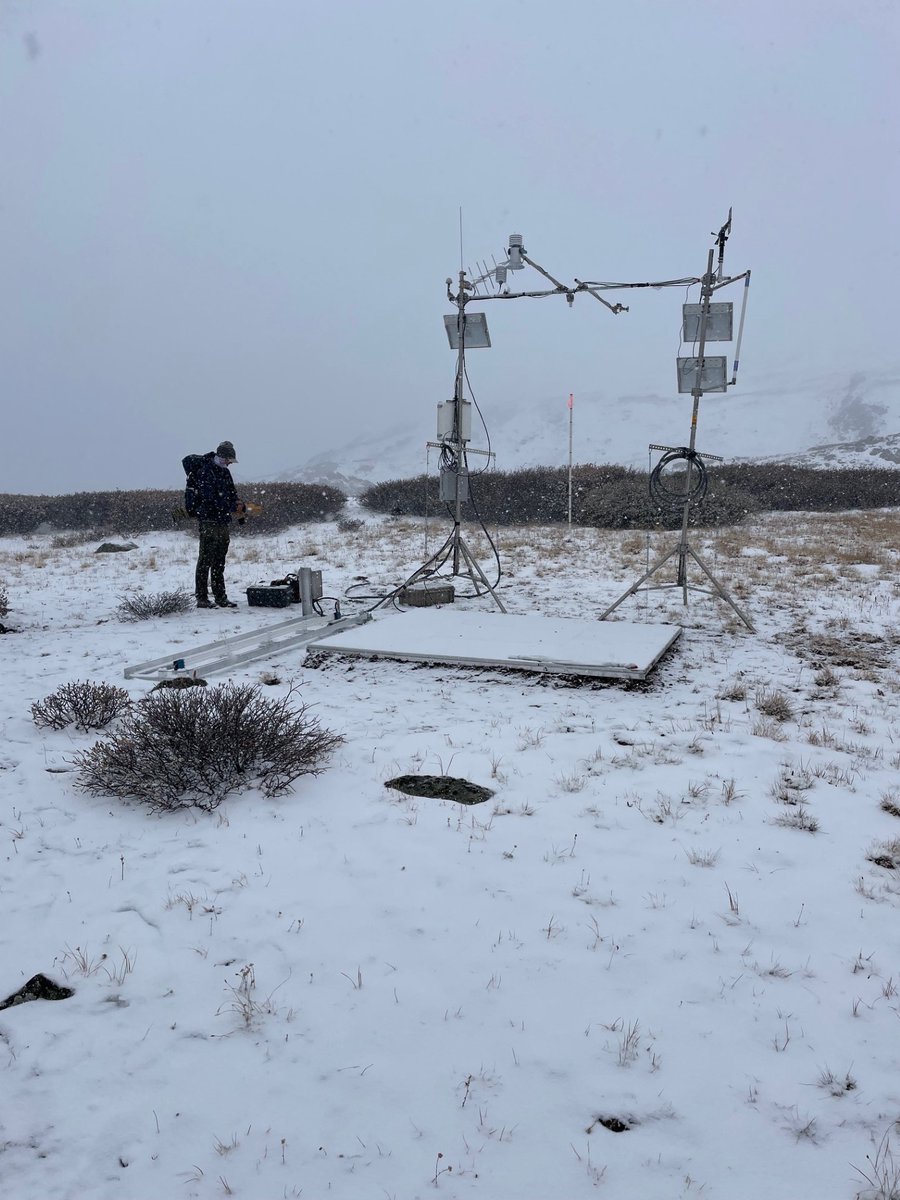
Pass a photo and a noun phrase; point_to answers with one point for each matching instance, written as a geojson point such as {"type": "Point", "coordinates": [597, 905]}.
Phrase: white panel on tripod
{"type": "Point", "coordinates": [712, 379]}
{"type": "Point", "coordinates": [477, 336]}
{"type": "Point", "coordinates": [718, 324]}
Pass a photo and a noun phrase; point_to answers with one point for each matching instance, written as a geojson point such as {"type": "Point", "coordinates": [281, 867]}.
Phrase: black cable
{"type": "Point", "coordinates": [487, 434]}
{"type": "Point", "coordinates": [469, 595]}
{"type": "Point", "coordinates": [668, 497]}
{"type": "Point", "coordinates": [427, 571]}
{"type": "Point", "coordinates": [487, 535]}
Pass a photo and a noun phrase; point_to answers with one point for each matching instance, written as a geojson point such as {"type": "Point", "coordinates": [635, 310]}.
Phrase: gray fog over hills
{"type": "Point", "coordinates": [849, 419]}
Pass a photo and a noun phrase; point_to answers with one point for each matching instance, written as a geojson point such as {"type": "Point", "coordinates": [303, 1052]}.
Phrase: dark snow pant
{"type": "Point", "coordinates": [214, 540]}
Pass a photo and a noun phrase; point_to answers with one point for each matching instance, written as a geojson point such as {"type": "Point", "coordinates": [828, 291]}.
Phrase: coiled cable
{"type": "Point", "coordinates": [666, 496]}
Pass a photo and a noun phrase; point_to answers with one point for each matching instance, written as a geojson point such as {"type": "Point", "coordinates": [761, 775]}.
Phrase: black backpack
{"type": "Point", "coordinates": [192, 495]}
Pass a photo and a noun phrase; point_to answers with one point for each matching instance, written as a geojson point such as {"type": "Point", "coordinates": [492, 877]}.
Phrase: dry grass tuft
{"type": "Point", "coordinates": [774, 703]}
{"type": "Point", "coordinates": [885, 854]}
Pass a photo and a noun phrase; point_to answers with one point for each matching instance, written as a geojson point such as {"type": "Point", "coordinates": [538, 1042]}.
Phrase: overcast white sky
{"type": "Point", "coordinates": [224, 219]}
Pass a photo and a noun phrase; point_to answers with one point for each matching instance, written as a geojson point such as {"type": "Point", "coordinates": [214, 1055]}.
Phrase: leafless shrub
{"type": "Point", "coordinates": [350, 524]}
{"type": "Point", "coordinates": [4, 602]}
{"type": "Point", "coordinates": [191, 748]}
{"type": "Point", "coordinates": [83, 704]}
{"type": "Point", "coordinates": [890, 802]}
{"type": "Point", "coordinates": [130, 512]}
{"type": "Point", "coordinates": [140, 606]}
{"type": "Point", "coordinates": [68, 541]}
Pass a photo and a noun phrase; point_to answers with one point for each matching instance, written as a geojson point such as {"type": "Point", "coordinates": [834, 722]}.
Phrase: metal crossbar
{"type": "Point", "coordinates": [242, 648]}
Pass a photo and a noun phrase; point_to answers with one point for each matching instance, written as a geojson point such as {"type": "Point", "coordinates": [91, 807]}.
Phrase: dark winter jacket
{"type": "Point", "coordinates": [215, 496]}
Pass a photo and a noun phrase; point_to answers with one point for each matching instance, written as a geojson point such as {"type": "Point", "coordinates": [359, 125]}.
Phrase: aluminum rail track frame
{"type": "Point", "coordinates": [212, 657]}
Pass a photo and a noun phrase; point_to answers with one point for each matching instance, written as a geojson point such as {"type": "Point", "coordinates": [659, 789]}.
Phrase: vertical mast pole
{"type": "Point", "coordinates": [571, 405]}
{"type": "Point", "coordinates": [696, 392]}
{"type": "Point", "coordinates": [460, 449]}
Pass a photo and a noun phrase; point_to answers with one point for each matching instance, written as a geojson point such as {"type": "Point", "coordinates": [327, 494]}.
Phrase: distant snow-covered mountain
{"type": "Point", "coordinates": [849, 419]}
{"type": "Point", "coordinates": [883, 451]}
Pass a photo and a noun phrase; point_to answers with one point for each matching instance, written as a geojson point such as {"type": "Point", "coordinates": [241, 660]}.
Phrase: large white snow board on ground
{"type": "Point", "coordinates": [556, 645]}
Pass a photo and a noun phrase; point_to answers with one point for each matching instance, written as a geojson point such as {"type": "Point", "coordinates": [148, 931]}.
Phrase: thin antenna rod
{"type": "Point", "coordinates": [460, 240]}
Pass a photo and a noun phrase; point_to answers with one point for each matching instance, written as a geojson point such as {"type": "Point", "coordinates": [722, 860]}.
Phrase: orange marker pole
{"type": "Point", "coordinates": [571, 406]}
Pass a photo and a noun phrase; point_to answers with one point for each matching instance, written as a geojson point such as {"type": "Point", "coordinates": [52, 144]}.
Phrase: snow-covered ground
{"type": "Point", "coordinates": [666, 918]}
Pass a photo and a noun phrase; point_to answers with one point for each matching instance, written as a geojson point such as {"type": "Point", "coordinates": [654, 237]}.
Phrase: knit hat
{"type": "Point", "coordinates": [226, 450]}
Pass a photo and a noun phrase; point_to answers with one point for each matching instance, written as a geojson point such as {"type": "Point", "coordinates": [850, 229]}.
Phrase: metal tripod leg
{"type": "Point", "coordinates": [635, 586]}
{"type": "Point", "coordinates": [474, 569]}
{"type": "Point", "coordinates": [720, 589]}
{"type": "Point", "coordinates": [682, 549]}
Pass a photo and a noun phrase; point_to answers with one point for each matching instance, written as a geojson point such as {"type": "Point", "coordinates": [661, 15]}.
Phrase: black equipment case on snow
{"type": "Point", "coordinates": [270, 595]}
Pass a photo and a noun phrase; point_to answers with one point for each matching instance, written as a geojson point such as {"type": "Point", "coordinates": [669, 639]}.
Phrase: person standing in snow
{"type": "Point", "coordinates": [212, 498]}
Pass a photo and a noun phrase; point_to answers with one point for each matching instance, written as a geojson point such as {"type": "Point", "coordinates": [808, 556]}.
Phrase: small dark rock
{"type": "Point", "coordinates": [883, 860]}
{"type": "Point", "coordinates": [181, 682]}
{"type": "Point", "coordinates": [614, 1125]}
{"type": "Point", "coordinates": [441, 787]}
{"type": "Point", "coordinates": [39, 987]}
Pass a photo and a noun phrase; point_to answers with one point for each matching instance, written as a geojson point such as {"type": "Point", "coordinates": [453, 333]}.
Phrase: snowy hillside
{"type": "Point", "coordinates": [878, 451]}
{"type": "Point", "coordinates": [852, 417]}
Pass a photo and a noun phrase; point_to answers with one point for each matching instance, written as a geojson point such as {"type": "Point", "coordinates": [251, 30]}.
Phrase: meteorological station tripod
{"type": "Point", "coordinates": [454, 551]}
{"type": "Point", "coordinates": [684, 550]}
{"type": "Point", "coordinates": [693, 493]}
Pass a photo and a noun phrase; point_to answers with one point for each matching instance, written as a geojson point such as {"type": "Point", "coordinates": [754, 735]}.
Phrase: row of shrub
{"type": "Point", "coordinates": [131, 512]}
{"type": "Point", "coordinates": [780, 487]}
{"type": "Point", "coordinates": [609, 497]}
{"type": "Point", "coordinates": [613, 497]}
